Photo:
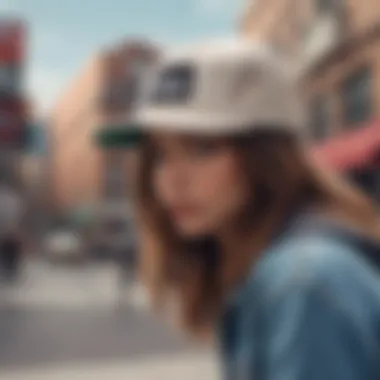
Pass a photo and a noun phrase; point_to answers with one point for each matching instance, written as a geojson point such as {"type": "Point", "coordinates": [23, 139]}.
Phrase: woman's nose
{"type": "Point", "coordinates": [178, 174]}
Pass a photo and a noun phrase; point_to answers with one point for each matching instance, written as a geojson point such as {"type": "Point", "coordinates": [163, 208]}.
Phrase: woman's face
{"type": "Point", "coordinates": [198, 182]}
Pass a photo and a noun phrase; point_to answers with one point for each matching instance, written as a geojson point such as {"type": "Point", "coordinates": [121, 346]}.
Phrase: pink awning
{"type": "Point", "coordinates": [351, 150]}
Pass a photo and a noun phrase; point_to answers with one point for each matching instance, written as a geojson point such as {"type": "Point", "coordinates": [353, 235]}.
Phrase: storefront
{"type": "Point", "coordinates": [357, 155]}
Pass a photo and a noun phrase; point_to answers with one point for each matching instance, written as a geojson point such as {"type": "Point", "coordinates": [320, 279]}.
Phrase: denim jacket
{"type": "Point", "coordinates": [308, 310]}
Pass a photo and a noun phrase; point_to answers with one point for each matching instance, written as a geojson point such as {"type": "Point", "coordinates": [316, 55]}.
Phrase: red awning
{"type": "Point", "coordinates": [351, 150]}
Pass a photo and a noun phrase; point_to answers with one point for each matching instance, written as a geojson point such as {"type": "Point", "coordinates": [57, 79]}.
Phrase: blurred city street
{"type": "Point", "coordinates": [61, 322]}
{"type": "Point", "coordinates": [75, 188]}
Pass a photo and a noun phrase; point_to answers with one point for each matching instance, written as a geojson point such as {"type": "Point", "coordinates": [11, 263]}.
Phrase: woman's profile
{"type": "Point", "coordinates": [253, 241]}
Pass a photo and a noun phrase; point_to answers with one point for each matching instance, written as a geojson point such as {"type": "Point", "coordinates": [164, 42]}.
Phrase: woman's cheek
{"type": "Point", "coordinates": [160, 185]}
{"type": "Point", "coordinates": [223, 184]}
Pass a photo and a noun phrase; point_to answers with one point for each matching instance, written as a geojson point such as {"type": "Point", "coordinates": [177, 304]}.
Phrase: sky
{"type": "Point", "coordinates": [64, 34]}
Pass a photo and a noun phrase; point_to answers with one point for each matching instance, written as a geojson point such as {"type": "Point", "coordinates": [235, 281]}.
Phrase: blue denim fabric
{"type": "Point", "coordinates": [309, 310]}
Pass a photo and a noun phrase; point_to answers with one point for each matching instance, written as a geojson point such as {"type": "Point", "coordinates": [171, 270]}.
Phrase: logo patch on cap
{"type": "Point", "coordinates": [175, 85]}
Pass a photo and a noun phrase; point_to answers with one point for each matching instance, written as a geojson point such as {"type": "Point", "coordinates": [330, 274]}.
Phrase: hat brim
{"type": "Point", "coordinates": [189, 122]}
{"type": "Point", "coordinates": [206, 124]}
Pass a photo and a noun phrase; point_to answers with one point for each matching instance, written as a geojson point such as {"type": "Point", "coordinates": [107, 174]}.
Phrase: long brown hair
{"type": "Point", "coordinates": [281, 178]}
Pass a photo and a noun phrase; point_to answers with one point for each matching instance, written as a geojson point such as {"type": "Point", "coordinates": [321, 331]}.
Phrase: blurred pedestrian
{"type": "Point", "coordinates": [11, 236]}
{"type": "Point", "coordinates": [256, 242]}
{"type": "Point", "coordinates": [126, 257]}
{"type": "Point", "coordinates": [11, 255]}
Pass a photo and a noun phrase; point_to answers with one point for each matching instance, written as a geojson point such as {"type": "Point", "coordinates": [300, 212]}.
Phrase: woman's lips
{"type": "Point", "coordinates": [183, 212]}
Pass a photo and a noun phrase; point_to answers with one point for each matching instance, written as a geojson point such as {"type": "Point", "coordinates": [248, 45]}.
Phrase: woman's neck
{"type": "Point", "coordinates": [240, 250]}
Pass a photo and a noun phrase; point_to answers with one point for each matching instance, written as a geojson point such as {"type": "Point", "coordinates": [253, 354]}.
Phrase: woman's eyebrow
{"type": "Point", "coordinates": [202, 140]}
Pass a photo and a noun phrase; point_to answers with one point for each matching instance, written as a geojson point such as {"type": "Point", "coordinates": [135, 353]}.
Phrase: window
{"type": "Point", "coordinates": [140, 70]}
{"type": "Point", "coordinates": [118, 95]}
{"type": "Point", "coordinates": [325, 5]}
{"type": "Point", "coordinates": [10, 80]}
{"type": "Point", "coordinates": [320, 117]}
{"type": "Point", "coordinates": [357, 97]}
{"type": "Point", "coordinates": [137, 67]}
{"type": "Point", "coordinates": [122, 92]}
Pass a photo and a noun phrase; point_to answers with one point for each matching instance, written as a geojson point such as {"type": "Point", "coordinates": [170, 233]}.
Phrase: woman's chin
{"type": "Point", "coordinates": [192, 230]}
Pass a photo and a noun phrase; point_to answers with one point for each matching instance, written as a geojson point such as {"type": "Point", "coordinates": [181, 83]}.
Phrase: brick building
{"type": "Point", "coordinates": [94, 107]}
{"type": "Point", "coordinates": [336, 45]}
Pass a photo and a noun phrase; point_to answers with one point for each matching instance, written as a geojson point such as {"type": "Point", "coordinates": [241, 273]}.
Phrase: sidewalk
{"type": "Point", "coordinates": [43, 286]}
{"type": "Point", "coordinates": [189, 367]}
{"type": "Point", "coordinates": [68, 328]}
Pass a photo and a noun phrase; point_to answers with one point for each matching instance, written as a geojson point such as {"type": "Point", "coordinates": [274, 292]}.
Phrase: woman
{"type": "Point", "coordinates": [252, 240]}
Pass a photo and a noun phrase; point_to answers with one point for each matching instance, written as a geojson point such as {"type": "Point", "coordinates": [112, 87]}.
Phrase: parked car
{"type": "Point", "coordinates": [64, 245]}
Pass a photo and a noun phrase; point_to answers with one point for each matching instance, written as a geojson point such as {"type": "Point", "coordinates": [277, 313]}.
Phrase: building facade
{"type": "Point", "coordinates": [336, 47]}
{"type": "Point", "coordinates": [124, 66]}
{"type": "Point", "coordinates": [35, 174]}
{"type": "Point", "coordinates": [74, 163]}
{"type": "Point", "coordinates": [94, 108]}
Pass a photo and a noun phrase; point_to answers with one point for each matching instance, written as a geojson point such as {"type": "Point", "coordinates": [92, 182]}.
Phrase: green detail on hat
{"type": "Point", "coordinates": [118, 136]}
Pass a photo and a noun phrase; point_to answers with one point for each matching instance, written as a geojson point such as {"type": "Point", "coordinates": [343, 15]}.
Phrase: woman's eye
{"type": "Point", "coordinates": [203, 149]}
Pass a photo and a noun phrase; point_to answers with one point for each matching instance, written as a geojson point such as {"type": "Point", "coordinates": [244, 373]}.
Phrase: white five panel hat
{"type": "Point", "coordinates": [218, 88]}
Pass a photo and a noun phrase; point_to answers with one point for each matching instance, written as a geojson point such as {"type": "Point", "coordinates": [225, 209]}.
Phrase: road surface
{"type": "Point", "coordinates": [61, 323]}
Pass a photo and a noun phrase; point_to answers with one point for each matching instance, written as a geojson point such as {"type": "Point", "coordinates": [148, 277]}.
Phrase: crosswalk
{"type": "Point", "coordinates": [47, 287]}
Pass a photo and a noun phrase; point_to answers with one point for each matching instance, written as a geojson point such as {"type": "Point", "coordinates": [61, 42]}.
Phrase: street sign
{"type": "Point", "coordinates": [12, 40]}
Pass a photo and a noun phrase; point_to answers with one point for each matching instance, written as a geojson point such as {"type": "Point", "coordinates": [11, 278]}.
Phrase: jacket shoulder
{"type": "Point", "coordinates": [321, 263]}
